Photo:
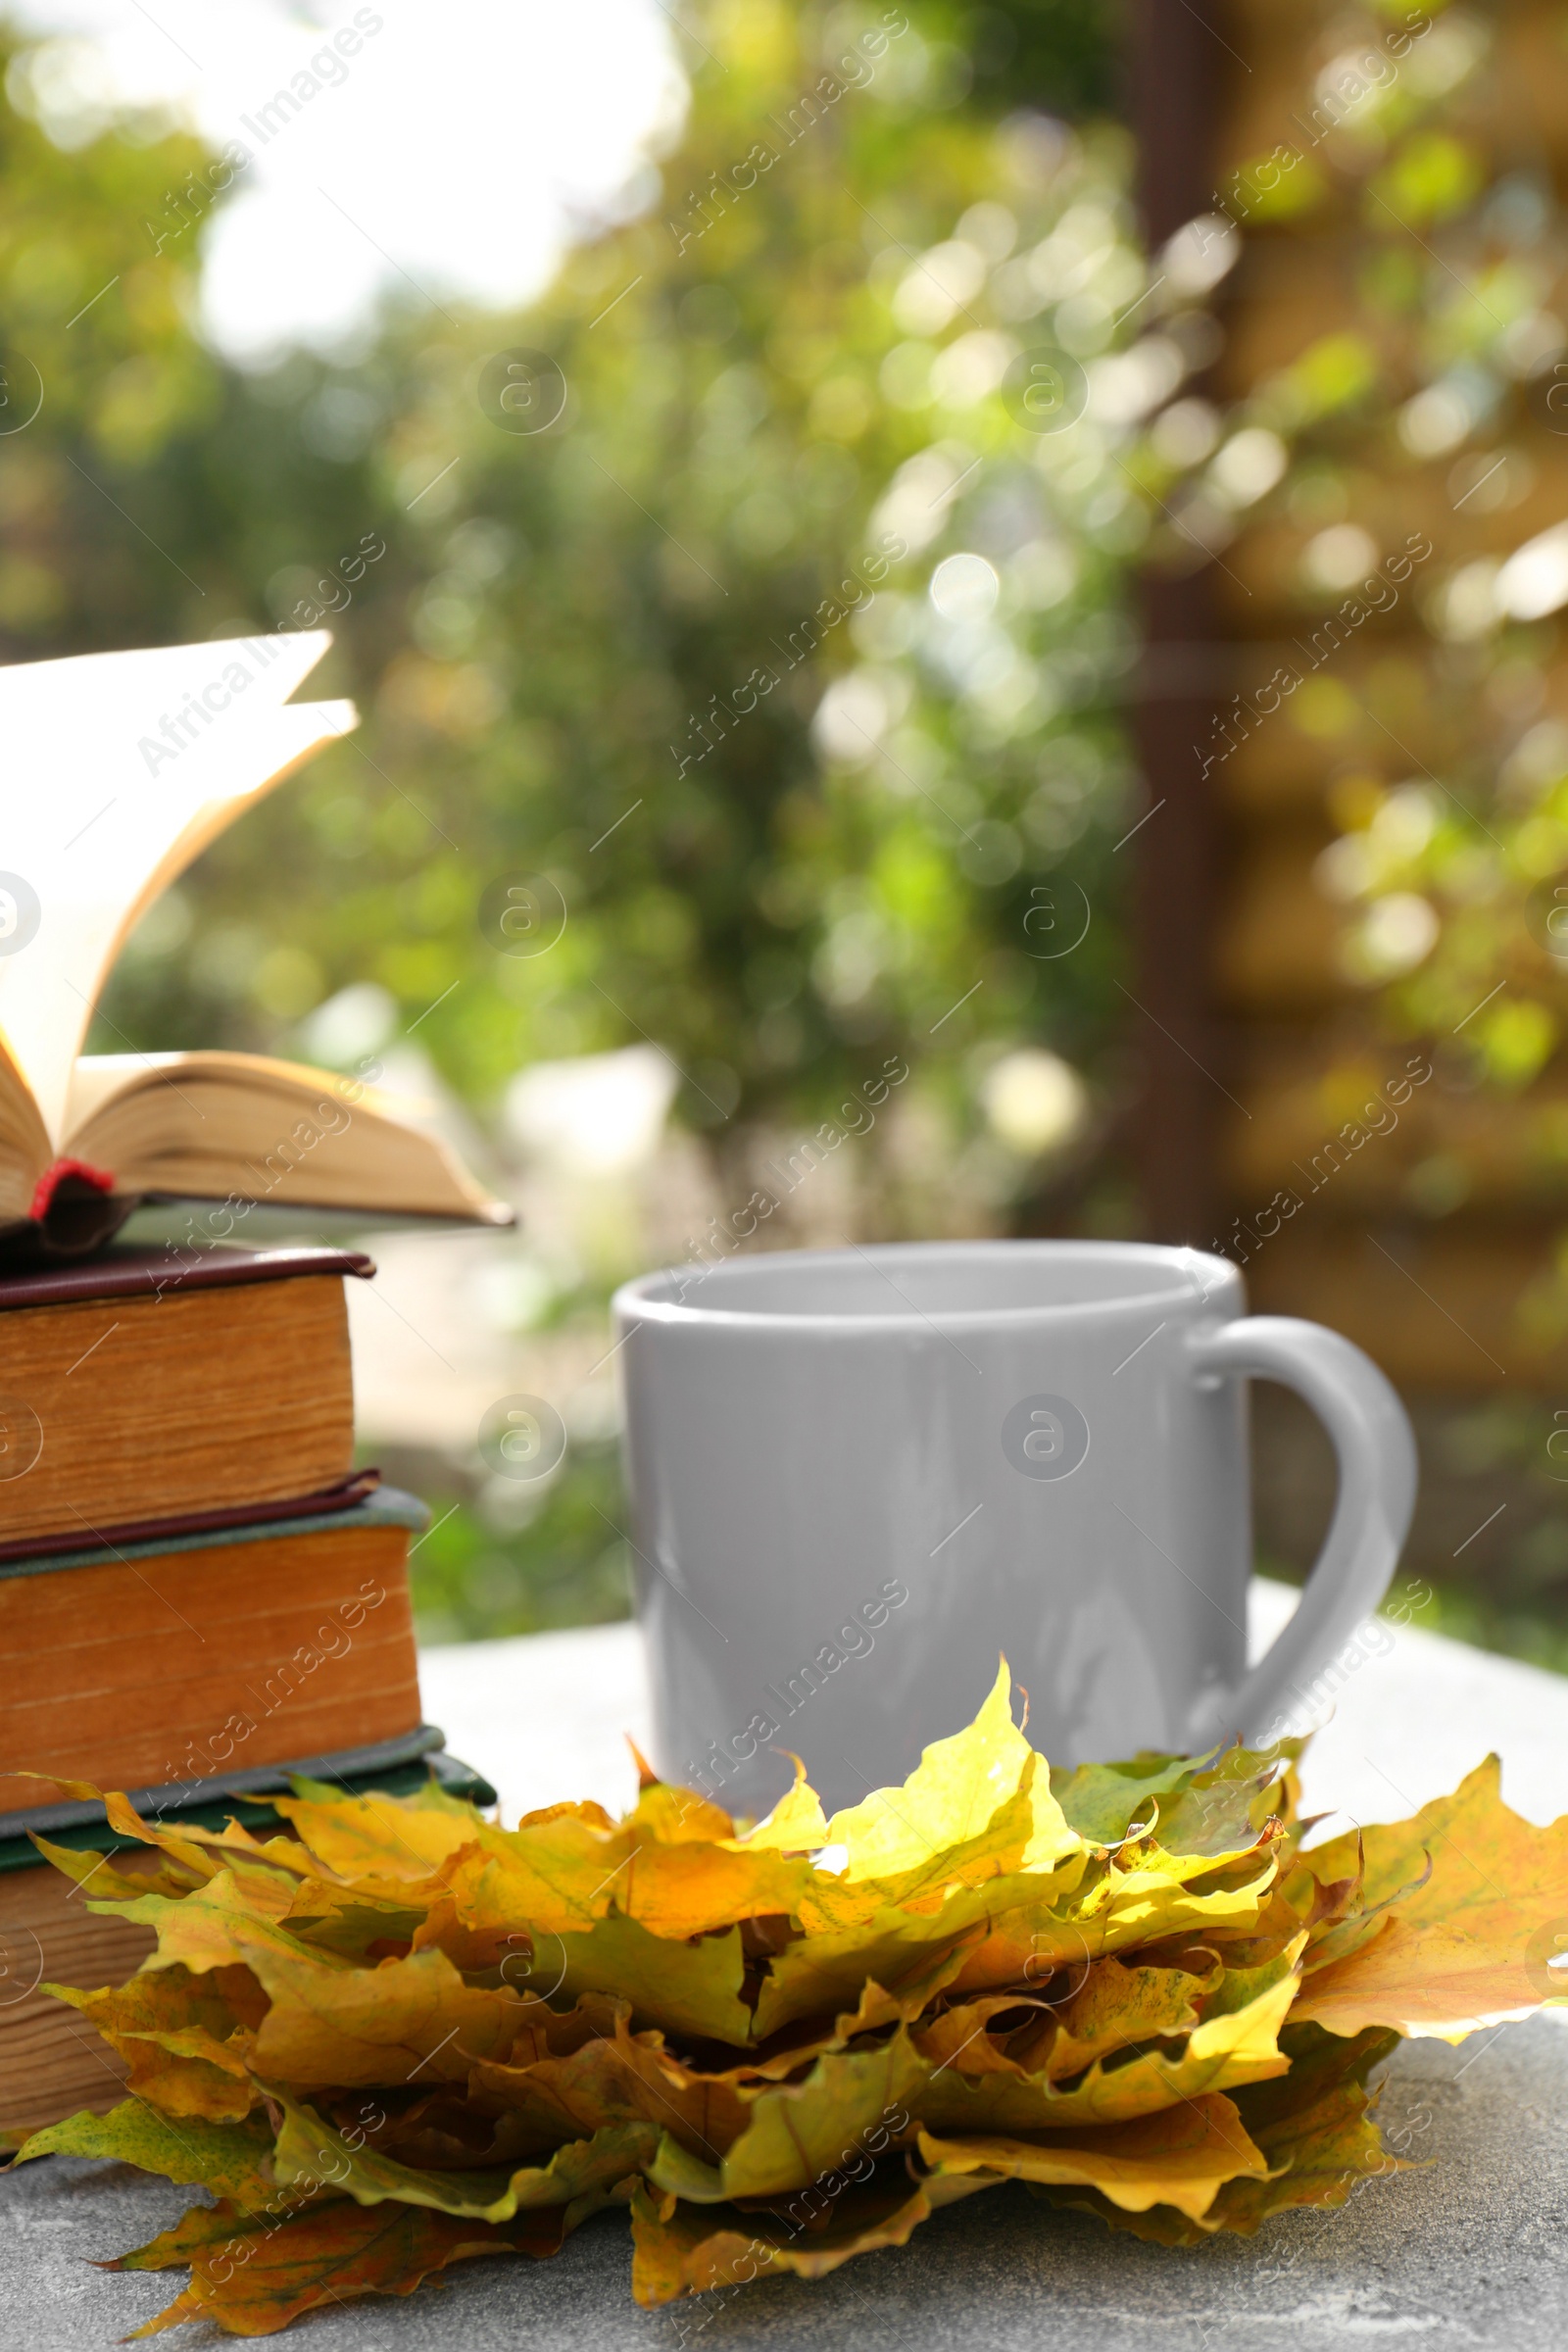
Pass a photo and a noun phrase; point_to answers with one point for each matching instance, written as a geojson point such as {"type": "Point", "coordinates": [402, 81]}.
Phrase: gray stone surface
{"type": "Point", "coordinates": [1472, 2250]}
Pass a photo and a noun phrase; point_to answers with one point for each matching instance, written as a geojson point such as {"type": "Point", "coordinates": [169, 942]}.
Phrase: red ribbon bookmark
{"type": "Point", "coordinates": [101, 1180]}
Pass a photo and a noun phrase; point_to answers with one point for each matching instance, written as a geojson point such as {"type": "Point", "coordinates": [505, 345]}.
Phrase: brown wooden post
{"type": "Point", "coordinates": [1176, 66]}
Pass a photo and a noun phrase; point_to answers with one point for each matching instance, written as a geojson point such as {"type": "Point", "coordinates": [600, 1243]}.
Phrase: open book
{"type": "Point", "coordinates": [116, 770]}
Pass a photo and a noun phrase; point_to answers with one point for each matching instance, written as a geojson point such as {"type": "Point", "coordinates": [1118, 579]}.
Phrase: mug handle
{"type": "Point", "coordinates": [1375, 1447]}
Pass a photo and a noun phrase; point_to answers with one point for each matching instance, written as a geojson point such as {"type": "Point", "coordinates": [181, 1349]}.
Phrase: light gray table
{"type": "Point", "coordinates": [1472, 2250]}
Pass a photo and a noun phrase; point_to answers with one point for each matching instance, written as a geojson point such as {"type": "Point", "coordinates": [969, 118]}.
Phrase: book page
{"type": "Point", "coordinates": [222, 1126]}
{"type": "Point", "coordinates": [116, 770]}
{"type": "Point", "coordinates": [25, 1150]}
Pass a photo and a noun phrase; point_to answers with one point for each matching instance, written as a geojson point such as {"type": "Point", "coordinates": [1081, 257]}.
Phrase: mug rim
{"type": "Point", "coordinates": [638, 1300]}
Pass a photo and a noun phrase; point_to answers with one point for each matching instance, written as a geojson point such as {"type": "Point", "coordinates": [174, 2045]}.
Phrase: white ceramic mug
{"type": "Point", "coordinates": [859, 1475]}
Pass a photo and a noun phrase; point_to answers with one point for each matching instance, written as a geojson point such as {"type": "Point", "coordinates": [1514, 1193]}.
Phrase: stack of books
{"type": "Point", "coordinates": [199, 1595]}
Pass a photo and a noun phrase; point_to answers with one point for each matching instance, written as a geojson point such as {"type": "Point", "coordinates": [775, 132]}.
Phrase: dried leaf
{"type": "Point", "coordinates": [1181, 2157]}
{"type": "Point", "coordinates": [401, 2022]}
{"type": "Point", "coordinates": [1017, 1928]}
{"type": "Point", "coordinates": [1196, 1802]}
{"type": "Point", "coordinates": [181, 2037]}
{"type": "Point", "coordinates": [563, 1874]}
{"type": "Point", "coordinates": [600, 2073]}
{"type": "Point", "coordinates": [688, 1989]}
{"type": "Point", "coordinates": [224, 1921]}
{"type": "Point", "coordinates": [554, 1873]}
{"type": "Point", "coordinates": [266, 1869]}
{"type": "Point", "coordinates": [797, 1824]}
{"type": "Point", "coordinates": [1465, 1949]}
{"type": "Point", "coordinates": [1102, 1802]}
{"type": "Point", "coordinates": [1314, 2125]}
{"type": "Point", "coordinates": [948, 2076]}
{"type": "Point", "coordinates": [359, 1923]}
{"type": "Point", "coordinates": [825, 1974]}
{"type": "Point", "coordinates": [1130, 1901]}
{"type": "Point", "coordinates": [952, 1820]}
{"type": "Point", "coordinates": [691, 2250]}
{"type": "Point", "coordinates": [227, 2158]}
{"type": "Point", "coordinates": [1221, 2054]}
{"type": "Point", "coordinates": [846, 2113]}
{"type": "Point", "coordinates": [262, 2273]}
{"type": "Point", "coordinates": [685, 1888]}
{"type": "Point", "coordinates": [1115, 2004]}
{"type": "Point", "coordinates": [357, 1837]}
{"type": "Point", "coordinates": [109, 1885]}
{"type": "Point", "coordinates": [200, 2225]}
{"type": "Point", "coordinates": [310, 2150]}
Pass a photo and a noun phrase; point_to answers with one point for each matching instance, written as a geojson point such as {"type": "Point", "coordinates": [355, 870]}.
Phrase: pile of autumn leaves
{"type": "Point", "coordinates": [401, 2036]}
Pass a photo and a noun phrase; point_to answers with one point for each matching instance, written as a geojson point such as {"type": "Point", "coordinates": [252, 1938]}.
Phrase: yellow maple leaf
{"type": "Point", "coordinates": [1181, 2156]}
{"type": "Point", "coordinates": [1471, 1946]}
{"type": "Point", "coordinates": [925, 1831]}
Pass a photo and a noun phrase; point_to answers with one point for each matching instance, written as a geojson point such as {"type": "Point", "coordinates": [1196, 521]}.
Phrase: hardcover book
{"type": "Point", "coordinates": [140, 1387]}
{"type": "Point", "coordinates": [142, 1664]}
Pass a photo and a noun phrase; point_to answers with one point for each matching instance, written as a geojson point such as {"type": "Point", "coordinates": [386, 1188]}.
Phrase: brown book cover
{"type": "Point", "coordinates": [130, 1273]}
{"type": "Point", "coordinates": [214, 1651]}
{"type": "Point", "coordinates": [141, 1387]}
{"type": "Point", "coordinates": [342, 1495]}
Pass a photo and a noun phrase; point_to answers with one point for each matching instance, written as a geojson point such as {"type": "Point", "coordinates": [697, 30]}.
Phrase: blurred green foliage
{"type": "Point", "coordinates": [477, 1576]}
{"type": "Point", "coordinates": [1425, 409]}
{"type": "Point", "coordinates": [592, 653]}
{"type": "Point", "coordinates": [1431, 416]}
